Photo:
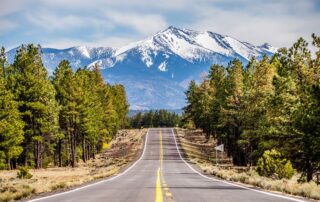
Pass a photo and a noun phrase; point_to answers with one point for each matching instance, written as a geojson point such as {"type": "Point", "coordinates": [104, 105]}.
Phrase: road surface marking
{"type": "Point", "coordinates": [168, 194]}
{"type": "Point", "coordinates": [102, 181]}
{"type": "Point", "coordinates": [159, 197]}
{"type": "Point", "coordinates": [217, 180]}
{"type": "Point", "coordinates": [161, 149]}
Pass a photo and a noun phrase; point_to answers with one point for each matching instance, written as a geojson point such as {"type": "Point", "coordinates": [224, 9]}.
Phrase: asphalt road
{"type": "Point", "coordinates": [161, 174]}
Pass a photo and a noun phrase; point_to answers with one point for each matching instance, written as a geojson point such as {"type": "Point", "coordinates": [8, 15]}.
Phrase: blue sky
{"type": "Point", "coordinates": [65, 23]}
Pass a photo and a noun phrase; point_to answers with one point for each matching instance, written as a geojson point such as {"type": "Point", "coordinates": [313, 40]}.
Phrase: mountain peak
{"type": "Point", "coordinates": [84, 50]}
{"type": "Point", "coordinates": [172, 28]}
{"type": "Point", "coordinates": [268, 47]}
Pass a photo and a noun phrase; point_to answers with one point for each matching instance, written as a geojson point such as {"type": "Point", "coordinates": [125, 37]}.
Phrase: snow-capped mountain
{"type": "Point", "coordinates": [157, 70]}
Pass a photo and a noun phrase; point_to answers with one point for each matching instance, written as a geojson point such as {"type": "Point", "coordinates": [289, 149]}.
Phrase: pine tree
{"type": "Point", "coordinates": [120, 105]}
{"type": "Point", "coordinates": [231, 114]}
{"type": "Point", "coordinates": [217, 80]}
{"type": "Point", "coordinates": [64, 83]}
{"type": "Point", "coordinates": [189, 111]}
{"type": "Point", "coordinates": [38, 106]}
{"type": "Point", "coordinates": [198, 109]}
{"type": "Point", "coordinates": [11, 125]}
{"type": "Point", "coordinates": [305, 72]}
{"type": "Point", "coordinates": [108, 115]}
{"type": "Point", "coordinates": [279, 119]}
{"type": "Point", "coordinates": [91, 112]}
{"type": "Point", "coordinates": [271, 104]}
{"type": "Point", "coordinates": [255, 105]}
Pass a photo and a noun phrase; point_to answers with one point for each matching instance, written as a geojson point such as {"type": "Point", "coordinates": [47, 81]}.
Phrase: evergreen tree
{"type": "Point", "coordinates": [11, 125]}
{"type": "Point", "coordinates": [158, 118]}
{"type": "Point", "coordinates": [39, 109]}
{"type": "Point", "coordinates": [270, 104]}
{"type": "Point", "coordinates": [231, 114]}
{"type": "Point", "coordinates": [120, 105]}
{"type": "Point", "coordinates": [282, 109]}
{"type": "Point", "coordinates": [217, 79]}
{"type": "Point", "coordinates": [305, 72]}
{"type": "Point", "coordinates": [189, 111]}
{"type": "Point", "coordinates": [255, 107]}
{"type": "Point", "coordinates": [64, 83]}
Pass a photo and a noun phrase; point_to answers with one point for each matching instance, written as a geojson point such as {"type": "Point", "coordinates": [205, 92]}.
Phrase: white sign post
{"type": "Point", "coordinates": [218, 148]}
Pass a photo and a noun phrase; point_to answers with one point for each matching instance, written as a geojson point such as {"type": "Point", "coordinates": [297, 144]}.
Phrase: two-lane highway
{"type": "Point", "coordinates": [161, 174]}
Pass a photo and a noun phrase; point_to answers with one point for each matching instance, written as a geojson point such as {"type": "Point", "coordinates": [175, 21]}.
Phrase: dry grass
{"type": "Point", "coordinates": [309, 190]}
{"type": "Point", "coordinates": [16, 192]}
{"type": "Point", "coordinates": [53, 179]}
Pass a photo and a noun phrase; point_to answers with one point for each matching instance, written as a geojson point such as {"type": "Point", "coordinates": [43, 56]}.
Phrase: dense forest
{"type": "Point", "coordinates": [158, 118]}
{"type": "Point", "coordinates": [58, 119]}
{"type": "Point", "coordinates": [273, 103]}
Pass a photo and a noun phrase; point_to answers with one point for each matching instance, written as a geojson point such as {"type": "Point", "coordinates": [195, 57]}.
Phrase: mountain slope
{"type": "Point", "coordinates": [156, 71]}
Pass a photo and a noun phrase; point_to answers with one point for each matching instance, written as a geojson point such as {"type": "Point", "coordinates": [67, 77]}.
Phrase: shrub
{"type": "Point", "coordinates": [288, 170]}
{"type": "Point", "coordinates": [24, 173]}
{"type": "Point", "coordinates": [3, 164]}
{"type": "Point", "coordinates": [60, 185]}
{"type": "Point", "coordinates": [272, 164]}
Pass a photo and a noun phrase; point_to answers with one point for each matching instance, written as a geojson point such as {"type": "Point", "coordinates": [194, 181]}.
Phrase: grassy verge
{"type": "Point", "coordinates": [120, 152]}
{"type": "Point", "coordinates": [250, 176]}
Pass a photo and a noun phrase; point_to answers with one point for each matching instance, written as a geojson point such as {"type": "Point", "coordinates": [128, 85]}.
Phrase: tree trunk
{"type": "Point", "coordinates": [70, 140]}
{"type": "Point", "coordinates": [309, 170]}
{"type": "Point", "coordinates": [40, 154]}
{"type": "Point", "coordinates": [9, 163]}
{"type": "Point", "coordinates": [88, 152]}
{"type": "Point", "coordinates": [59, 153]}
{"type": "Point", "coordinates": [83, 149]}
{"type": "Point", "coordinates": [13, 164]}
{"type": "Point", "coordinates": [73, 150]}
{"type": "Point", "coordinates": [238, 154]}
{"type": "Point", "coordinates": [73, 142]}
{"type": "Point", "coordinates": [37, 154]}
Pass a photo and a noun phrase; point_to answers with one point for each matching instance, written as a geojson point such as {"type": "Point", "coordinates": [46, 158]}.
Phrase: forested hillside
{"type": "Point", "coordinates": [54, 120]}
{"type": "Point", "coordinates": [269, 104]}
{"type": "Point", "coordinates": [157, 118]}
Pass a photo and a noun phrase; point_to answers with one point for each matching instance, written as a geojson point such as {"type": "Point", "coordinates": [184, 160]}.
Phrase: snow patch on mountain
{"type": "Point", "coordinates": [207, 41]}
{"type": "Point", "coordinates": [163, 67]}
{"type": "Point", "coordinates": [85, 51]}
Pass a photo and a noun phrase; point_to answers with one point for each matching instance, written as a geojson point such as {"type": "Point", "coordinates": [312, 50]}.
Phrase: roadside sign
{"type": "Point", "coordinates": [219, 147]}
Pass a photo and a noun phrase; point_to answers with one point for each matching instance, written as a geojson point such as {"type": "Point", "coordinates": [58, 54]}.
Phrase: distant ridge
{"type": "Point", "coordinates": [156, 70]}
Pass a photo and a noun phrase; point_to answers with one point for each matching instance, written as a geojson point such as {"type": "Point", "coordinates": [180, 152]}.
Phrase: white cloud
{"type": "Point", "coordinates": [11, 6]}
{"type": "Point", "coordinates": [274, 21]}
{"type": "Point", "coordinates": [6, 26]}
{"type": "Point", "coordinates": [53, 22]}
{"type": "Point", "coordinates": [114, 42]}
{"type": "Point", "coordinates": [119, 4]}
{"type": "Point", "coordinates": [279, 23]}
{"type": "Point", "coordinates": [143, 23]}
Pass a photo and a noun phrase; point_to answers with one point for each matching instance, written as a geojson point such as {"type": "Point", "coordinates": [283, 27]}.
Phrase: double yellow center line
{"type": "Point", "coordinates": [159, 196]}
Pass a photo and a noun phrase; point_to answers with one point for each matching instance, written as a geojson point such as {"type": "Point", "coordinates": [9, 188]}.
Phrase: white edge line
{"type": "Point", "coordinates": [226, 182]}
{"type": "Point", "coordinates": [102, 181]}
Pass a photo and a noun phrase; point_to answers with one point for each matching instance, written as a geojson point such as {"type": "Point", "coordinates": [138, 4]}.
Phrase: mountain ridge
{"type": "Point", "coordinates": [156, 70]}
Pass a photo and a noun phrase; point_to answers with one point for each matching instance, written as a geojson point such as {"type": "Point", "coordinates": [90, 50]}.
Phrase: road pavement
{"type": "Point", "coordinates": [161, 174]}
